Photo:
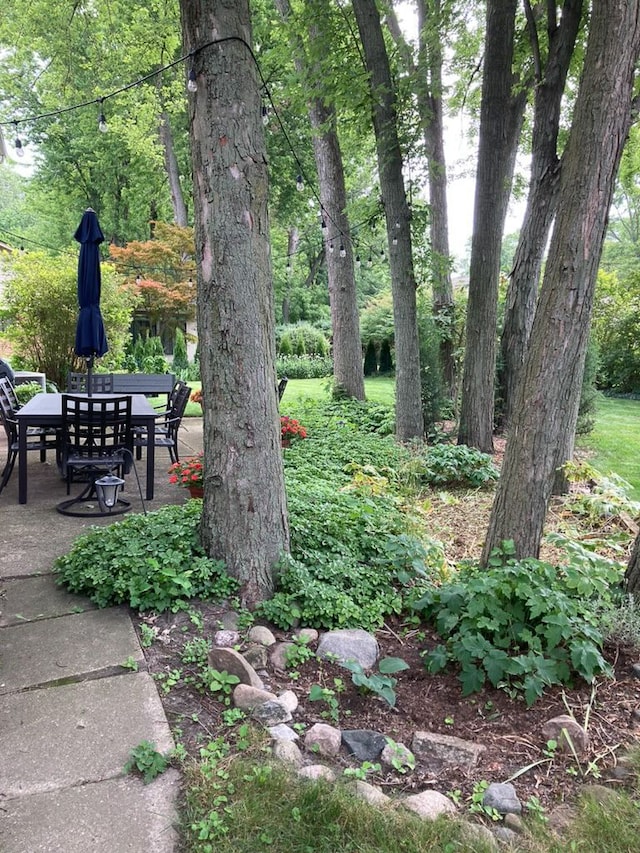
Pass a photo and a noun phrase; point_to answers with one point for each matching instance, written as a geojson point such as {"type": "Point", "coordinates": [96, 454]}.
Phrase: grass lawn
{"type": "Point", "coordinates": [615, 440]}
{"type": "Point", "coordinates": [381, 389]}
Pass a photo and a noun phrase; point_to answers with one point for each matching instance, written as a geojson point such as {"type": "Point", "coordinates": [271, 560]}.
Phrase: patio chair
{"type": "Point", "coordinates": [37, 438]}
{"type": "Point", "coordinates": [101, 383]}
{"type": "Point", "coordinates": [166, 431]}
{"type": "Point", "coordinates": [281, 386]}
{"type": "Point", "coordinates": [96, 440]}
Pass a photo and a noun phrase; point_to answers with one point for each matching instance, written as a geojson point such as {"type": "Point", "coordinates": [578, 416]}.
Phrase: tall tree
{"type": "Point", "coordinates": [244, 517]}
{"type": "Point", "coordinates": [347, 351]}
{"type": "Point", "coordinates": [409, 420]}
{"type": "Point", "coordinates": [548, 395]}
{"type": "Point", "coordinates": [501, 117]}
{"type": "Point", "coordinates": [552, 57]}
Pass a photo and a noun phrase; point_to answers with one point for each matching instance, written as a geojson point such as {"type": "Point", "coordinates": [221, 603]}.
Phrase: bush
{"type": "Point", "coordinates": [455, 465]}
{"type": "Point", "coordinates": [180, 362]}
{"type": "Point", "coordinates": [521, 624]}
{"type": "Point", "coordinates": [370, 360]}
{"type": "Point", "coordinates": [304, 367]}
{"type": "Point", "coordinates": [301, 339]}
{"type": "Point", "coordinates": [386, 362]}
{"type": "Point", "coordinates": [150, 562]}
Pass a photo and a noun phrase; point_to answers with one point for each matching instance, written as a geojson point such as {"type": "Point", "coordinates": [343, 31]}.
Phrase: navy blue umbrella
{"type": "Point", "coordinates": [91, 340]}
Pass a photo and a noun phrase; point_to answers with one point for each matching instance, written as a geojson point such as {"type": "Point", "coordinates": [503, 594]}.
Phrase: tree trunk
{"type": "Point", "coordinates": [548, 396]}
{"type": "Point", "coordinates": [244, 518]}
{"type": "Point", "coordinates": [345, 324]}
{"type": "Point", "coordinates": [172, 170]}
{"type": "Point", "coordinates": [501, 118]}
{"type": "Point", "coordinates": [409, 420]}
{"type": "Point", "coordinates": [429, 99]}
{"type": "Point", "coordinates": [542, 199]}
{"type": "Point", "coordinates": [632, 575]}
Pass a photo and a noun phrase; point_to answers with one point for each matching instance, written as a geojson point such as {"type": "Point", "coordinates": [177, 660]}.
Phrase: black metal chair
{"type": "Point", "coordinates": [281, 386]}
{"type": "Point", "coordinates": [96, 441]}
{"type": "Point", "coordinates": [166, 431]}
{"type": "Point", "coordinates": [101, 383]}
{"type": "Point", "coordinates": [37, 438]}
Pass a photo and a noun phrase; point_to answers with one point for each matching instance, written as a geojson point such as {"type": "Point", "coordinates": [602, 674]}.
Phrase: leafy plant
{"type": "Point", "coordinates": [151, 562]}
{"type": "Point", "coordinates": [317, 693]}
{"type": "Point", "coordinates": [299, 652]}
{"type": "Point", "coordinates": [221, 684]}
{"type": "Point", "coordinates": [147, 761]}
{"type": "Point", "coordinates": [361, 772]}
{"type": "Point", "coordinates": [521, 624]}
{"type": "Point", "coordinates": [380, 683]}
{"type": "Point", "coordinates": [476, 801]}
{"type": "Point", "coordinates": [457, 465]}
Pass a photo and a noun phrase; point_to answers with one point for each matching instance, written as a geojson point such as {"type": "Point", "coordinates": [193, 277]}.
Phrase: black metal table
{"type": "Point", "coordinates": [46, 410]}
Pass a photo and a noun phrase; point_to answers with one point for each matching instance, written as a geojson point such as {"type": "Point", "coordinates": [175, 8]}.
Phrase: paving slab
{"type": "Point", "coordinates": [27, 599]}
{"type": "Point", "coordinates": [115, 816]}
{"type": "Point", "coordinates": [57, 737]}
{"type": "Point", "coordinates": [66, 647]}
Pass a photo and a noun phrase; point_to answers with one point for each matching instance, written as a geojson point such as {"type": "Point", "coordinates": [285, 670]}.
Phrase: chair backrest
{"type": "Point", "coordinates": [101, 383]}
{"type": "Point", "coordinates": [96, 427]}
{"type": "Point", "coordinates": [179, 386]}
{"type": "Point", "coordinates": [177, 411]}
{"type": "Point", "coordinates": [281, 386]}
{"type": "Point", "coordinates": [9, 392]}
{"type": "Point", "coordinates": [7, 416]}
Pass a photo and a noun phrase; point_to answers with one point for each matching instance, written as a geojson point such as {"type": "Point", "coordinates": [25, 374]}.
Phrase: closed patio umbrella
{"type": "Point", "coordinates": [91, 340]}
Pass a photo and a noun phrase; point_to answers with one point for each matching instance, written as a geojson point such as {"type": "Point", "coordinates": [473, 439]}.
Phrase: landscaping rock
{"type": "Point", "coordinates": [283, 732]}
{"type": "Point", "coordinates": [635, 669]}
{"type": "Point", "coordinates": [502, 797]}
{"type": "Point", "coordinates": [478, 833]}
{"type": "Point", "coordinates": [247, 698]}
{"type": "Point", "coordinates": [307, 635]}
{"type": "Point", "coordinates": [288, 753]}
{"type": "Point", "coordinates": [261, 634]}
{"type": "Point", "coordinates": [397, 755]}
{"type": "Point", "coordinates": [506, 836]}
{"type": "Point", "coordinates": [231, 661]}
{"type": "Point", "coordinates": [599, 794]}
{"type": "Point", "coordinates": [226, 639]}
{"type": "Point", "coordinates": [514, 822]}
{"type": "Point", "coordinates": [278, 655]}
{"type": "Point", "coordinates": [256, 655]}
{"type": "Point", "coordinates": [364, 744]}
{"type": "Point", "coordinates": [317, 771]}
{"type": "Point", "coordinates": [289, 700]}
{"type": "Point", "coordinates": [370, 793]}
{"type": "Point", "coordinates": [438, 751]}
{"type": "Point", "coordinates": [560, 819]}
{"type": "Point", "coordinates": [229, 621]}
{"type": "Point", "coordinates": [350, 644]}
{"type": "Point", "coordinates": [271, 713]}
{"type": "Point", "coordinates": [563, 729]}
{"type": "Point", "coordinates": [429, 804]}
{"type": "Point", "coordinates": [323, 739]}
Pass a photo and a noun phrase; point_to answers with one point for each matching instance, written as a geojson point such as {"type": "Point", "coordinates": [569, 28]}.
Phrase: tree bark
{"type": "Point", "coordinates": [244, 518]}
{"type": "Point", "coordinates": [345, 324]}
{"type": "Point", "coordinates": [548, 396]}
{"type": "Point", "coordinates": [522, 292]}
{"type": "Point", "coordinates": [632, 574]}
{"type": "Point", "coordinates": [172, 170]}
{"type": "Point", "coordinates": [409, 420]}
{"type": "Point", "coordinates": [501, 117]}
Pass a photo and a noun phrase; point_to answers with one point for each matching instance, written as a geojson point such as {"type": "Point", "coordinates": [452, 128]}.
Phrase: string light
{"type": "Point", "coordinates": [370, 261]}
{"type": "Point", "coordinates": [331, 248]}
{"type": "Point", "coordinates": [18, 144]}
{"type": "Point", "coordinates": [265, 115]}
{"type": "Point", "coordinates": [382, 255]}
{"type": "Point", "coordinates": [343, 251]}
{"type": "Point", "coordinates": [192, 83]}
{"type": "Point", "coordinates": [103, 127]}
{"type": "Point", "coordinates": [358, 261]}
{"type": "Point", "coordinates": [397, 225]}
{"type": "Point", "coordinates": [299, 184]}
{"type": "Point", "coordinates": [323, 227]}
{"type": "Point", "coordinates": [395, 241]}
{"type": "Point", "coordinates": [138, 279]}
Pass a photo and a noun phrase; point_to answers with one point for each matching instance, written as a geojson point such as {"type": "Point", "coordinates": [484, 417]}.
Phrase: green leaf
{"type": "Point", "coordinates": [391, 665]}
{"type": "Point", "coordinates": [472, 679]}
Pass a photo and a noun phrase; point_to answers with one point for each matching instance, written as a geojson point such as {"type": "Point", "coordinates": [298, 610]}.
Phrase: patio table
{"type": "Point", "coordinates": [46, 410]}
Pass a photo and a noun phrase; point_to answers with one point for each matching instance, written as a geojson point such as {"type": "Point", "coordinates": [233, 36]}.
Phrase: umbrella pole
{"type": "Point", "coordinates": [89, 375]}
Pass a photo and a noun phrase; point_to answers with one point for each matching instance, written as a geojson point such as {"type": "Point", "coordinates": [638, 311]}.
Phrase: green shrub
{"type": "Point", "coordinates": [522, 624]}
{"type": "Point", "coordinates": [150, 562]}
{"type": "Point", "coordinates": [370, 359]}
{"type": "Point", "coordinates": [304, 367]}
{"type": "Point", "coordinates": [180, 361]}
{"type": "Point", "coordinates": [26, 391]}
{"type": "Point", "coordinates": [386, 362]}
{"type": "Point", "coordinates": [456, 465]}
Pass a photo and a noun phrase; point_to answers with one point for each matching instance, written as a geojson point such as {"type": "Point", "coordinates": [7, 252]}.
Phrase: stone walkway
{"type": "Point", "coordinates": [69, 712]}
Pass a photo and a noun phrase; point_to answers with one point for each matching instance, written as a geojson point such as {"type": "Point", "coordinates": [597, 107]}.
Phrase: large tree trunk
{"type": "Point", "coordinates": [546, 404]}
{"type": "Point", "coordinates": [409, 420]}
{"type": "Point", "coordinates": [501, 116]}
{"type": "Point", "coordinates": [632, 575]}
{"type": "Point", "coordinates": [429, 98]}
{"type": "Point", "coordinates": [345, 324]}
{"type": "Point", "coordinates": [522, 292]}
{"type": "Point", "coordinates": [173, 173]}
{"type": "Point", "coordinates": [244, 518]}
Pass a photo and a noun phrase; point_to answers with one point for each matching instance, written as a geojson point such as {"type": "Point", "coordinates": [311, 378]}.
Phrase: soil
{"type": "Point", "coordinates": [511, 732]}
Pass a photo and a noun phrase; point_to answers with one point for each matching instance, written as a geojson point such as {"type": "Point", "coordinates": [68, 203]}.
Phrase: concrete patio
{"type": "Point", "coordinates": [69, 712]}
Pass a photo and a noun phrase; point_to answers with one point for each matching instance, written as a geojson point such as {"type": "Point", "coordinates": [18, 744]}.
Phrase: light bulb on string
{"type": "Point", "coordinates": [369, 261]}
{"type": "Point", "coordinates": [299, 184]}
{"type": "Point", "coordinates": [358, 261]}
{"type": "Point", "coordinates": [138, 279]}
{"type": "Point", "coordinates": [331, 247]}
{"type": "Point", "coordinates": [397, 225]}
{"type": "Point", "coordinates": [343, 251]}
{"type": "Point", "coordinates": [192, 83]}
{"type": "Point", "coordinates": [323, 227]}
{"type": "Point", "coordinates": [395, 241]}
{"type": "Point", "coordinates": [103, 127]}
{"type": "Point", "coordinates": [18, 144]}
{"type": "Point", "coordinates": [289, 268]}
{"type": "Point", "coordinates": [265, 115]}
{"type": "Point", "coordinates": [382, 255]}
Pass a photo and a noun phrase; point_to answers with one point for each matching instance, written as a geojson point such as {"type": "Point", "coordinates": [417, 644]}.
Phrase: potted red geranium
{"type": "Point", "coordinates": [188, 473]}
{"type": "Point", "coordinates": [290, 429]}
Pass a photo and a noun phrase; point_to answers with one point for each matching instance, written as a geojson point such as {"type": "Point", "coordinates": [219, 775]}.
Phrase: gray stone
{"type": "Point", "coordinates": [256, 655]}
{"type": "Point", "coordinates": [478, 833]}
{"type": "Point", "coordinates": [247, 698]}
{"type": "Point", "coordinates": [271, 713]}
{"type": "Point", "coordinates": [350, 644]}
{"type": "Point", "coordinates": [288, 753]}
{"type": "Point", "coordinates": [565, 731]}
{"type": "Point", "coordinates": [635, 669]}
{"type": "Point", "coordinates": [429, 804]}
{"type": "Point", "coordinates": [370, 793]}
{"type": "Point", "coordinates": [514, 822]}
{"type": "Point", "coordinates": [506, 836]}
{"type": "Point", "coordinates": [226, 639]}
{"type": "Point", "coordinates": [283, 732]}
{"type": "Point", "coordinates": [317, 771]}
{"type": "Point", "coordinates": [278, 655]}
{"type": "Point", "coordinates": [231, 661]}
{"type": "Point", "coordinates": [261, 634]}
{"type": "Point", "coordinates": [289, 700]}
{"type": "Point", "coordinates": [323, 739]}
{"type": "Point", "coordinates": [364, 744]}
{"type": "Point", "coordinates": [397, 755]}
{"type": "Point", "coordinates": [502, 797]}
{"type": "Point", "coordinates": [229, 621]}
{"type": "Point", "coordinates": [438, 751]}
{"type": "Point", "coordinates": [307, 635]}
